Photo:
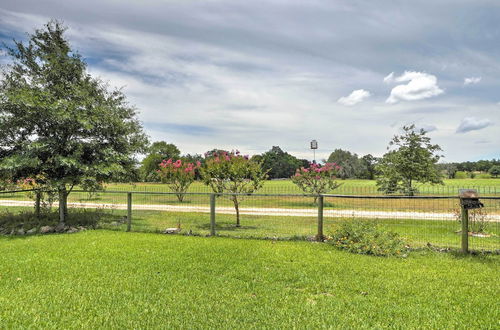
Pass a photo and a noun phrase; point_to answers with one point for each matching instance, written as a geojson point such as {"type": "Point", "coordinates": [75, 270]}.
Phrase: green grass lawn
{"type": "Point", "coordinates": [106, 279]}
{"type": "Point", "coordinates": [416, 232]}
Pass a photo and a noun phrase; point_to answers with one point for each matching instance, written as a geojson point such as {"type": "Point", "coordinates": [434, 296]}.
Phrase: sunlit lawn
{"type": "Point", "coordinates": [106, 279]}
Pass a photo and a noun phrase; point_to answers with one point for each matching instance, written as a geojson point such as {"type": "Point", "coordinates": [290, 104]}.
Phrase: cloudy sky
{"type": "Point", "coordinates": [252, 74]}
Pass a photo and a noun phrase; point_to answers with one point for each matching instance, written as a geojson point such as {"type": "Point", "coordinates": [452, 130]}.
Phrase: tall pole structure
{"type": "Point", "coordinates": [314, 146]}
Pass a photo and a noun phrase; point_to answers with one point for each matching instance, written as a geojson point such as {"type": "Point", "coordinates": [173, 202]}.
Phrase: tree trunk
{"type": "Point", "coordinates": [63, 204]}
{"type": "Point", "coordinates": [237, 208]}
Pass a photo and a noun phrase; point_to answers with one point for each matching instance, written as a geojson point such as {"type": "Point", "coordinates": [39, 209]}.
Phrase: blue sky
{"type": "Point", "coordinates": [252, 74]}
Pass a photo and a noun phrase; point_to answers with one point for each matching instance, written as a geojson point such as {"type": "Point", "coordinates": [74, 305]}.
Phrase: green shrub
{"type": "Point", "coordinates": [483, 176]}
{"type": "Point", "coordinates": [89, 218]}
{"type": "Point", "coordinates": [461, 175]}
{"type": "Point", "coordinates": [366, 237]}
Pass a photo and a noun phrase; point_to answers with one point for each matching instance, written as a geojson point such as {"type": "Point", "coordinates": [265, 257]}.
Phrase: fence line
{"type": "Point", "coordinates": [410, 215]}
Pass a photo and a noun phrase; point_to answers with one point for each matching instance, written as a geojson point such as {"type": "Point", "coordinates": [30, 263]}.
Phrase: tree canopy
{"type": "Point", "coordinates": [278, 163]}
{"type": "Point", "coordinates": [157, 152]}
{"type": "Point", "coordinates": [59, 122]}
{"type": "Point", "coordinates": [494, 171]}
{"type": "Point", "coordinates": [351, 166]}
{"type": "Point", "coordinates": [411, 158]}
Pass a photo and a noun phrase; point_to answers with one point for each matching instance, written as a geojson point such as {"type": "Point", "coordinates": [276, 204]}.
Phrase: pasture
{"type": "Point", "coordinates": [106, 279]}
{"type": "Point", "coordinates": [360, 187]}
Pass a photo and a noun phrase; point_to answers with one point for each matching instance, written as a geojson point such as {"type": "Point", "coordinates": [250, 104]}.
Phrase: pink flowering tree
{"type": "Point", "coordinates": [178, 175]}
{"type": "Point", "coordinates": [317, 179]}
{"type": "Point", "coordinates": [233, 173]}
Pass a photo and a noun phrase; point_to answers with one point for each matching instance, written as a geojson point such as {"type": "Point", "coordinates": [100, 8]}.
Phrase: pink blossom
{"type": "Point", "coordinates": [198, 164]}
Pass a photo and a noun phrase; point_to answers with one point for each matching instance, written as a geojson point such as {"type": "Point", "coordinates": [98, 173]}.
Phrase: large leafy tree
{"type": "Point", "coordinates": [279, 164]}
{"type": "Point", "coordinates": [411, 159]}
{"type": "Point", "coordinates": [157, 152]}
{"type": "Point", "coordinates": [368, 164]}
{"type": "Point", "coordinates": [494, 171]}
{"type": "Point", "coordinates": [59, 122]}
{"type": "Point", "coordinates": [350, 165]}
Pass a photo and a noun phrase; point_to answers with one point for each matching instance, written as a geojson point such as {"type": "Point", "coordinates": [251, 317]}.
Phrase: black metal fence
{"type": "Point", "coordinates": [433, 220]}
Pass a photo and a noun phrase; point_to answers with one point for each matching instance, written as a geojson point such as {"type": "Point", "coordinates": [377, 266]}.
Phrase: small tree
{"type": "Point", "coordinates": [230, 172]}
{"type": "Point", "coordinates": [178, 175]}
{"type": "Point", "coordinates": [317, 179]}
{"type": "Point", "coordinates": [494, 171]}
{"type": "Point", "coordinates": [413, 160]}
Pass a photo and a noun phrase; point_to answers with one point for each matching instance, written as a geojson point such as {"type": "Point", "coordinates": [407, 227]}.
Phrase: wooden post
{"type": "Point", "coordinates": [320, 236]}
{"type": "Point", "coordinates": [37, 204]}
{"type": "Point", "coordinates": [465, 230]}
{"type": "Point", "coordinates": [212, 214]}
{"type": "Point", "coordinates": [129, 211]}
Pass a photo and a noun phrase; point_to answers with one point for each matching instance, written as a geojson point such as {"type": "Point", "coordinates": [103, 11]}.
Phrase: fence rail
{"type": "Point", "coordinates": [436, 220]}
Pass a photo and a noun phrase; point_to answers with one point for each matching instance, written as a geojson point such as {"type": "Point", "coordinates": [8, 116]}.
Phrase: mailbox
{"type": "Point", "coordinates": [469, 199]}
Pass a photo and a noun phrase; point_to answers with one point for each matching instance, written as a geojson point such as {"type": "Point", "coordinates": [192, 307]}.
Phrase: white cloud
{"type": "Point", "coordinates": [420, 86]}
{"type": "Point", "coordinates": [473, 124]}
{"type": "Point", "coordinates": [472, 80]}
{"type": "Point", "coordinates": [357, 96]}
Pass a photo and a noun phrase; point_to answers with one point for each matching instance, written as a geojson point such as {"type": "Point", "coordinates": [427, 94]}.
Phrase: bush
{"type": "Point", "coordinates": [88, 218]}
{"type": "Point", "coordinates": [366, 237]}
{"type": "Point", "coordinates": [461, 175]}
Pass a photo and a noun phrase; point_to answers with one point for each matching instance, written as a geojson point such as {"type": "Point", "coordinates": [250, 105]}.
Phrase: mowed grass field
{"type": "Point", "coordinates": [486, 187]}
{"type": "Point", "coordinates": [106, 279]}
{"type": "Point", "coordinates": [361, 187]}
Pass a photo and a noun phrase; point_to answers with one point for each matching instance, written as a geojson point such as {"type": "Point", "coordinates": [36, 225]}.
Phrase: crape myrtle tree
{"type": "Point", "coordinates": [411, 159]}
{"type": "Point", "coordinates": [178, 175]}
{"type": "Point", "coordinates": [230, 172]}
{"type": "Point", "coordinates": [58, 122]}
{"type": "Point", "coordinates": [317, 179]}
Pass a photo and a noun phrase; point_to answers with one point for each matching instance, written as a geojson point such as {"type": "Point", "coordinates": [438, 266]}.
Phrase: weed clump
{"type": "Point", "coordinates": [366, 237]}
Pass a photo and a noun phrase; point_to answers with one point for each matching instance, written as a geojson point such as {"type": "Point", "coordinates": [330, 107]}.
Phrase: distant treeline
{"type": "Point", "coordinates": [470, 169]}
{"type": "Point", "coordinates": [280, 164]}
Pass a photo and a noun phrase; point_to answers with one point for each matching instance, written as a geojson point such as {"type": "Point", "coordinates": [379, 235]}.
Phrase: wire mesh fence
{"type": "Point", "coordinates": [347, 187]}
{"type": "Point", "coordinates": [432, 220]}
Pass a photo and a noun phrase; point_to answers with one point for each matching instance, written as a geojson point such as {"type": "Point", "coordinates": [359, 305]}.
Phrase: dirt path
{"type": "Point", "coordinates": [268, 211]}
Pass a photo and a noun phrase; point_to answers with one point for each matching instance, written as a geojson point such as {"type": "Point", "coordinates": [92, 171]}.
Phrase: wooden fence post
{"type": "Point", "coordinates": [129, 211]}
{"type": "Point", "coordinates": [212, 214]}
{"type": "Point", "coordinates": [320, 235]}
{"type": "Point", "coordinates": [465, 230]}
